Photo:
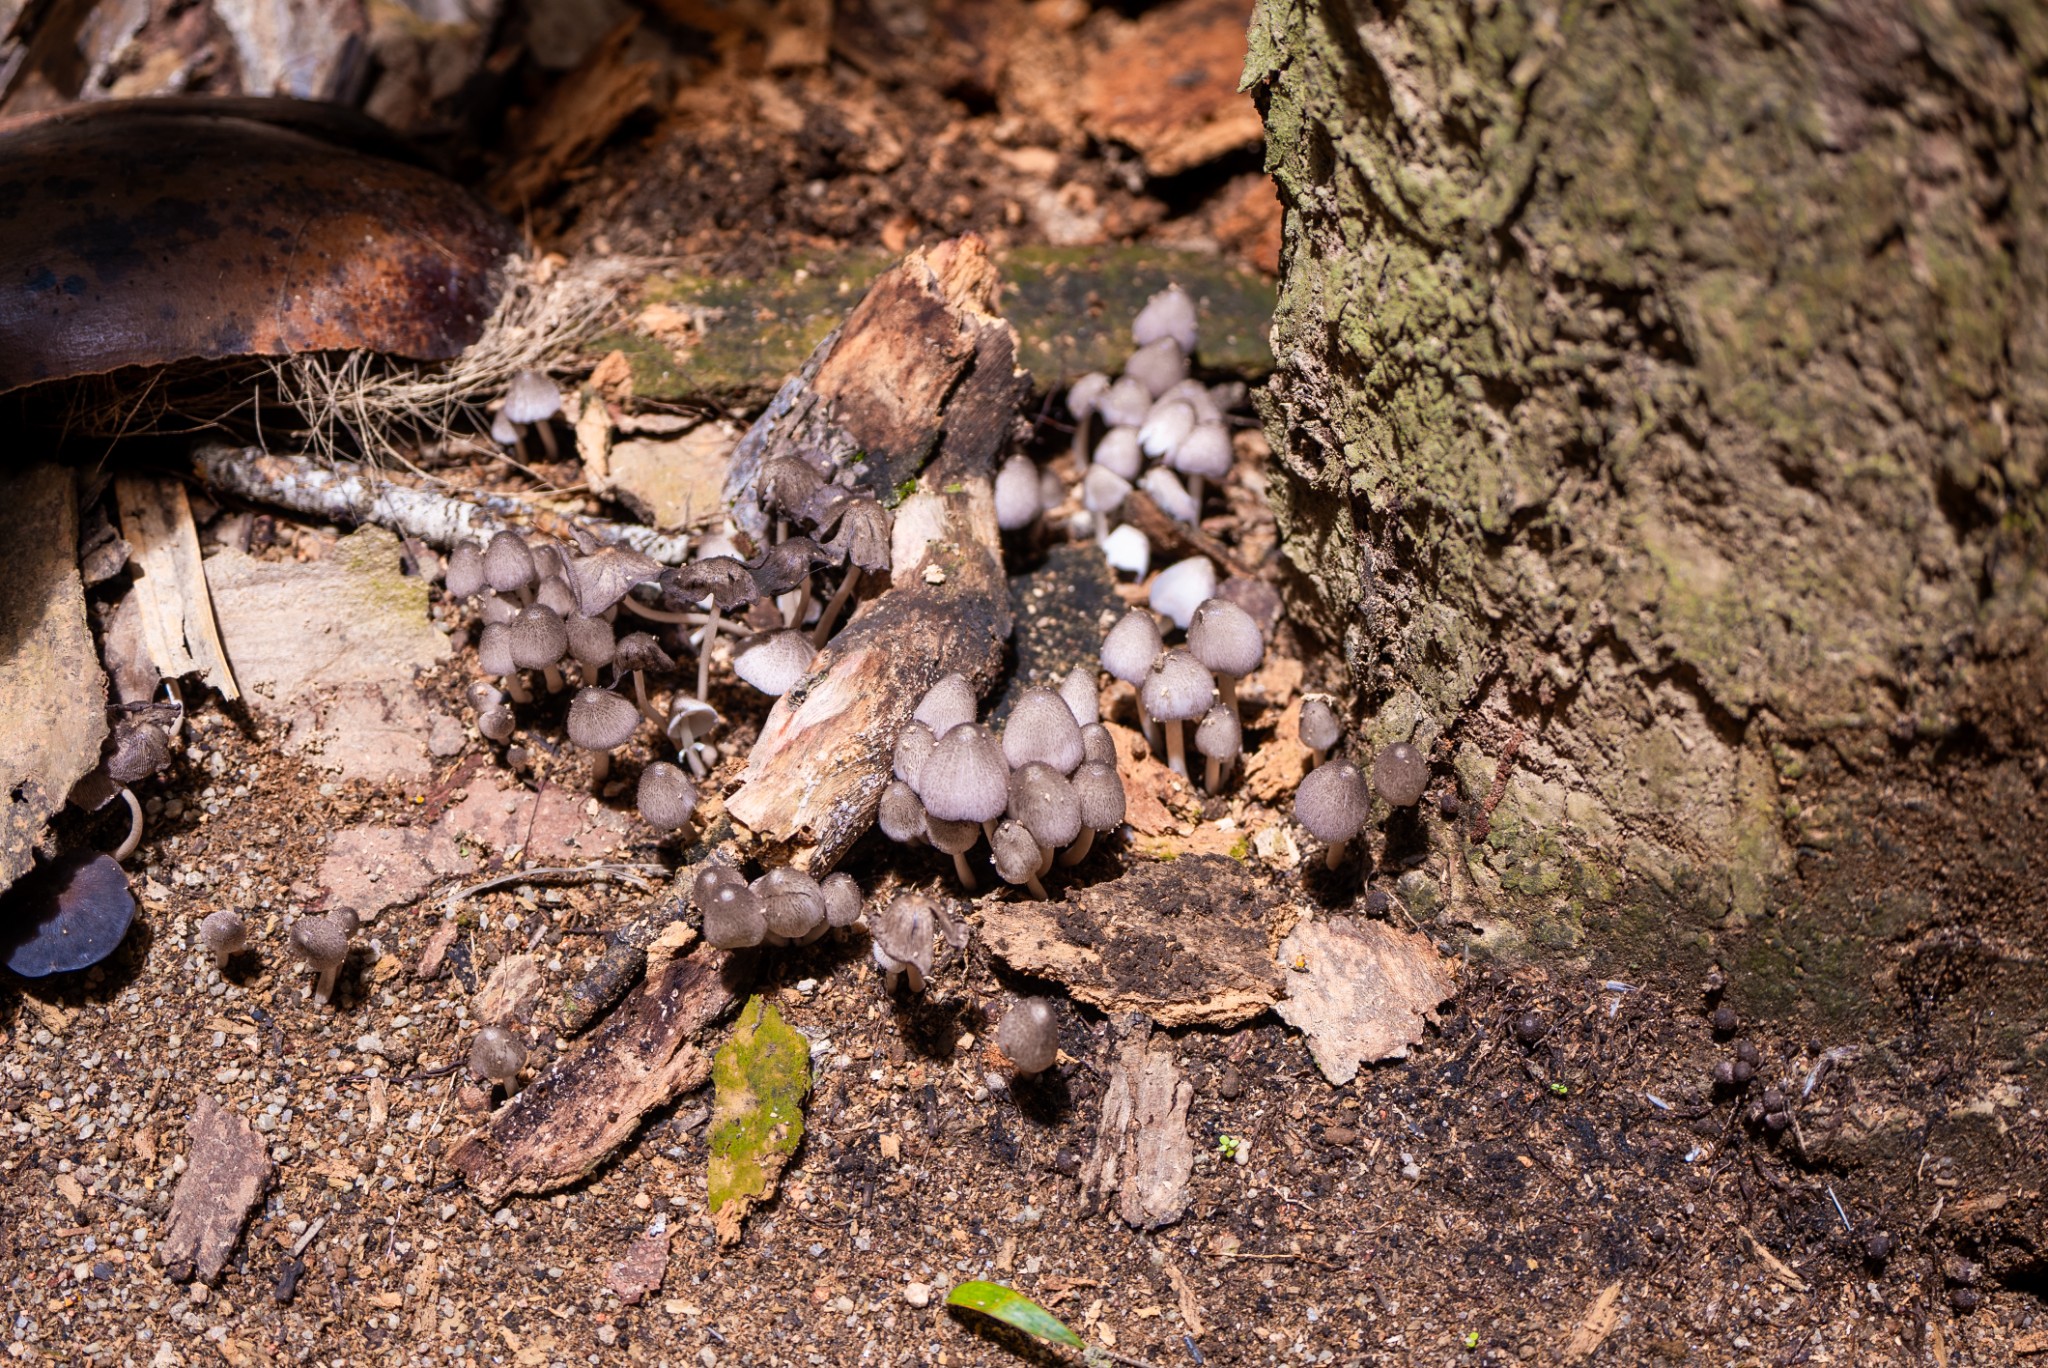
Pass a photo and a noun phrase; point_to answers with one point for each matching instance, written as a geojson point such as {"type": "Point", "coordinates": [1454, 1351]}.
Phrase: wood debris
{"type": "Point", "coordinates": [170, 587]}
{"type": "Point", "coordinates": [577, 116]}
{"type": "Point", "coordinates": [1143, 1153]}
{"type": "Point", "coordinates": [1599, 1322]}
{"type": "Point", "coordinates": [639, 1274]}
{"type": "Point", "coordinates": [1168, 86]}
{"type": "Point", "coordinates": [510, 992]}
{"type": "Point", "coordinates": [227, 1171]}
{"type": "Point", "coordinates": [565, 1123]}
{"type": "Point", "coordinates": [1360, 990]}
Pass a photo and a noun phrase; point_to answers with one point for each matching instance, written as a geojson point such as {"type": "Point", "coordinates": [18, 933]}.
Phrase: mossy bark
{"type": "Point", "coordinates": [1668, 383]}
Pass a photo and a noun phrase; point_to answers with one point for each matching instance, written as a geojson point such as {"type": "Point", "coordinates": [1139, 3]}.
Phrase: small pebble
{"type": "Point", "coordinates": [1878, 1247]}
{"type": "Point", "coordinates": [1228, 1084]}
{"type": "Point", "coordinates": [1529, 1027]}
{"type": "Point", "coordinates": [918, 1294]}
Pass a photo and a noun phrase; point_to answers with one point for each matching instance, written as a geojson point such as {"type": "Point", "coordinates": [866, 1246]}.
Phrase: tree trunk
{"type": "Point", "coordinates": [1667, 386]}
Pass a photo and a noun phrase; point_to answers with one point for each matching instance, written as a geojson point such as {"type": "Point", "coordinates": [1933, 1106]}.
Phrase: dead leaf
{"type": "Point", "coordinates": [762, 1076]}
{"type": "Point", "coordinates": [1600, 1319]}
{"type": "Point", "coordinates": [1360, 990]}
{"type": "Point", "coordinates": [1143, 1152]}
{"type": "Point", "coordinates": [639, 1274]}
{"type": "Point", "coordinates": [226, 1173]}
{"type": "Point", "coordinates": [510, 992]}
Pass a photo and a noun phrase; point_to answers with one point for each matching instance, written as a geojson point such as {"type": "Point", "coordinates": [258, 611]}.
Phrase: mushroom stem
{"type": "Point", "coordinates": [696, 762]}
{"type": "Point", "coordinates": [988, 833]}
{"type": "Point", "coordinates": [960, 868]}
{"type": "Point", "coordinates": [1037, 888]}
{"type": "Point", "coordinates": [323, 987]}
{"type": "Point", "coordinates": [515, 688]}
{"type": "Point", "coordinates": [802, 605]}
{"type": "Point", "coordinates": [1078, 851]}
{"type": "Point", "coordinates": [1195, 495]}
{"type": "Point", "coordinates": [1045, 854]}
{"type": "Point", "coordinates": [1082, 431]}
{"type": "Point", "coordinates": [1176, 748]}
{"type": "Point", "coordinates": [553, 677]}
{"type": "Point", "coordinates": [134, 836]}
{"type": "Point", "coordinates": [704, 653]}
{"type": "Point", "coordinates": [838, 601]}
{"type": "Point", "coordinates": [1151, 728]}
{"type": "Point", "coordinates": [634, 605]}
{"type": "Point", "coordinates": [1316, 755]}
{"type": "Point", "coordinates": [546, 430]}
{"type": "Point", "coordinates": [1226, 689]}
{"type": "Point", "coordinates": [601, 768]}
{"type": "Point", "coordinates": [1212, 775]}
{"type": "Point", "coordinates": [1334, 856]}
{"type": "Point", "coordinates": [647, 710]}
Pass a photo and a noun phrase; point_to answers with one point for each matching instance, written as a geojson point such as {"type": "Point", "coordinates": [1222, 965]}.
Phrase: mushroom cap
{"type": "Point", "coordinates": [1127, 551]}
{"type": "Point", "coordinates": [1179, 687]}
{"type": "Point", "coordinates": [1029, 1036]}
{"type": "Point", "coordinates": [537, 638]}
{"type": "Point", "coordinates": [954, 838]}
{"type": "Point", "coordinates": [1084, 396]}
{"type": "Point", "coordinates": [1319, 727]}
{"type": "Point", "coordinates": [913, 747]}
{"type": "Point", "coordinates": [1017, 502]}
{"type": "Point", "coordinates": [1131, 646]}
{"type": "Point", "coordinates": [732, 914]}
{"type": "Point", "coordinates": [322, 942]}
{"type": "Point", "coordinates": [1042, 727]}
{"type": "Point", "coordinates": [1400, 773]}
{"type": "Point", "coordinates": [1224, 637]}
{"type": "Point", "coordinates": [1126, 403]}
{"type": "Point", "coordinates": [1166, 427]}
{"type": "Point", "coordinates": [495, 610]}
{"type": "Point", "coordinates": [863, 536]}
{"type": "Point", "coordinates": [136, 749]}
{"type": "Point", "coordinates": [464, 573]}
{"type": "Point", "coordinates": [786, 482]}
{"type": "Point", "coordinates": [68, 914]}
{"type": "Point", "coordinates": [503, 430]}
{"type": "Point", "coordinates": [842, 900]}
{"type": "Point", "coordinates": [600, 720]}
{"type": "Point", "coordinates": [690, 720]}
{"type": "Point", "coordinates": [1016, 853]}
{"type": "Point", "coordinates": [1204, 451]}
{"type": "Point", "coordinates": [823, 509]}
{"type": "Point", "coordinates": [711, 876]}
{"type": "Point", "coordinates": [965, 778]}
{"type": "Point", "coordinates": [497, 1056]}
{"type": "Point", "coordinates": [1164, 488]}
{"type": "Point", "coordinates": [1119, 453]}
{"type": "Point", "coordinates": [224, 932]}
{"type": "Point", "coordinates": [1196, 396]}
{"type": "Point", "coordinates": [1103, 490]}
{"type": "Point", "coordinates": [724, 582]}
{"type": "Point", "coordinates": [508, 562]}
{"type": "Point", "coordinates": [1098, 747]}
{"type": "Point", "coordinates": [902, 932]}
{"type": "Point", "coordinates": [590, 641]}
{"type": "Point", "coordinates": [1102, 796]}
{"type": "Point", "coordinates": [640, 651]}
{"type": "Point", "coordinates": [1046, 804]}
{"type": "Point", "coordinates": [791, 902]}
{"type": "Point", "coordinates": [1181, 588]}
{"type": "Point", "coordinates": [900, 815]}
{"type": "Point", "coordinates": [787, 564]}
{"type": "Point", "coordinates": [1170, 313]}
{"type": "Point", "coordinates": [1159, 365]}
{"type": "Point", "coordinates": [482, 697]}
{"type": "Point", "coordinates": [496, 724]}
{"type": "Point", "coordinates": [773, 662]}
{"type": "Point", "coordinates": [554, 592]}
{"type": "Point", "coordinates": [1220, 736]}
{"type": "Point", "coordinates": [1083, 699]}
{"type": "Point", "coordinates": [1333, 801]}
{"type": "Point", "coordinates": [494, 649]}
{"type": "Point", "coordinates": [532, 398]}
{"type": "Point", "coordinates": [946, 705]}
{"type": "Point", "coordinates": [666, 797]}
{"type": "Point", "coordinates": [607, 575]}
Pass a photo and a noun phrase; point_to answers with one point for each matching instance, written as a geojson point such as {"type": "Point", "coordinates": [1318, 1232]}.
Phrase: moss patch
{"type": "Point", "coordinates": [760, 1078]}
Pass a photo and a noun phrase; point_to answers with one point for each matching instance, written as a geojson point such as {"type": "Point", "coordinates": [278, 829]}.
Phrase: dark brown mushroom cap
{"type": "Point", "coordinates": [842, 900]}
{"type": "Point", "coordinates": [1041, 728]}
{"type": "Point", "coordinates": [1333, 801]}
{"type": "Point", "coordinates": [537, 638]}
{"type": "Point", "coordinates": [1046, 804]}
{"type": "Point", "coordinates": [913, 747]}
{"type": "Point", "coordinates": [1016, 853]}
{"type": "Point", "coordinates": [1131, 646]}
{"type": "Point", "coordinates": [965, 778]}
{"type": "Point", "coordinates": [1224, 638]}
{"type": "Point", "coordinates": [640, 651]}
{"type": "Point", "coordinates": [947, 704]}
{"type": "Point", "coordinates": [721, 581]}
{"type": "Point", "coordinates": [1179, 688]}
{"type": "Point", "coordinates": [1400, 773]}
{"type": "Point", "coordinates": [135, 750]}
{"type": "Point", "coordinates": [1319, 727]}
{"type": "Point", "coordinates": [821, 511]}
{"type": "Point", "coordinates": [863, 536]}
{"type": "Point", "coordinates": [464, 573]}
{"type": "Point", "coordinates": [1029, 1036]}
{"type": "Point", "coordinates": [787, 564]}
{"type": "Point", "coordinates": [902, 931]}
{"type": "Point", "coordinates": [600, 720]}
{"type": "Point", "coordinates": [497, 1056]}
{"type": "Point", "coordinates": [1220, 736]}
{"type": "Point", "coordinates": [590, 641]}
{"type": "Point", "coordinates": [900, 815]}
{"type": "Point", "coordinates": [786, 482]}
{"type": "Point", "coordinates": [508, 562]}
{"type": "Point", "coordinates": [666, 797]}
{"type": "Point", "coordinates": [607, 575]}
{"type": "Point", "coordinates": [711, 876]}
{"type": "Point", "coordinates": [1101, 792]}
{"type": "Point", "coordinates": [496, 724]}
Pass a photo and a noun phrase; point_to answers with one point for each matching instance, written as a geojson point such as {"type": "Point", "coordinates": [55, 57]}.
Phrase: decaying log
{"type": "Point", "coordinates": [923, 374]}
{"type": "Point", "coordinates": [1143, 1153]}
{"type": "Point", "coordinates": [564, 1124]}
{"type": "Point", "coordinates": [624, 958]}
{"type": "Point", "coordinates": [226, 1173]}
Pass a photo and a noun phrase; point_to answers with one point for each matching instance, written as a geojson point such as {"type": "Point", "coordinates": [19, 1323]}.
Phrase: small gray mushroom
{"type": "Point", "coordinates": [224, 935]}
{"type": "Point", "coordinates": [1400, 773]}
{"type": "Point", "coordinates": [1333, 803]}
{"type": "Point", "coordinates": [666, 797]}
{"type": "Point", "coordinates": [322, 944]}
{"type": "Point", "coordinates": [1029, 1036]}
{"type": "Point", "coordinates": [732, 914]}
{"type": "Point", "coordinates": [902, 941]}
{"type": "Point", "coordinates": [1319, 727]}
{"type": "Point", "coordinates": [496, 1058]}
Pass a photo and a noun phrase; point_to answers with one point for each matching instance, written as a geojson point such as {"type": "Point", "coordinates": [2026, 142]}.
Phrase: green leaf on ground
{"type": "Point", "coordinates": [760, 1079]}
{"type": "Point", "coordinates": [1014, 1309]}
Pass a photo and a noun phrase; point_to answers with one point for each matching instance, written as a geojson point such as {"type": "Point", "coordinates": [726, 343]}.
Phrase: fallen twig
{"type": "Point", "coordinates": [562, 876]}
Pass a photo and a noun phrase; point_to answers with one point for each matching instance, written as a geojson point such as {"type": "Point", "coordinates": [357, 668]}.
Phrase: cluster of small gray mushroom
{"type": "Point", "coordinates": [1188, 692]}
{"type": "Point", "coordinates": [611, 622]}
{"type": "Point", "coordinates": [1334, 801]}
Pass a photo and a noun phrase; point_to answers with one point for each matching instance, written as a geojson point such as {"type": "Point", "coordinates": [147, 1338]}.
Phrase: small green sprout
{"type": "Point", "coordinates": [1226, 1146]}
{"type": "Point", "coordinates": [1471, 1339]}
{"type": "Point", "coordinates": [1559, 1089]}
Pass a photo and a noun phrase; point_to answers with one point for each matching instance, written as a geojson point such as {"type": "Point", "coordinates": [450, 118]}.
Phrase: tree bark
{"type": "Point", "coordinates": [1663, 399]}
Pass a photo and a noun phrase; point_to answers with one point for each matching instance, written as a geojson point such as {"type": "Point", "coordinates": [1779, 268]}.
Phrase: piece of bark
{"type": "Point", "coordinates": [923, 369]}
{"type": "Point", "coordinates": [227, 1171]}
{"type": "Point", "coordinates": [510, 992]}
{"type": "Point", "coordinates": [51, 690]}
{"type": "Point", "coordinates": [640, 1273]}
{"type": "Point", "coordinates": [1168, 86]}
{"type": "Point", "coordinates": [1185, 941]}
{"type": "Point", "coordinates": [170, 587]}
{"type": "Point", "coordinates": [624, 959]}
{"type": "Point", "coordinates": [434, 958]}
{"type": "Point", "coordinates": [1360, 990]}
{"type": "Point", "coordinates": [571, 1118]}
{"type": "Point", "coordinates": [580, 112]}
{"type": "Point", "coordinates": [1143, 1153]}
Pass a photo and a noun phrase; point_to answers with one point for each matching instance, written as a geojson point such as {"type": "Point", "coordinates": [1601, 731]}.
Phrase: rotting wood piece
{"type": "Point", "coordinates": [923, 368]}
{"type": "Point", "coordinates": [227, 1171]}
{"type": "Point", "coordinates": [170, 587]}
{"type": "Point", "coordinates": [571, 1118]}
{"type": "Point", "coordinates": [1143, 1153]}
{"type": "Point", "coordinates": [624, 959]}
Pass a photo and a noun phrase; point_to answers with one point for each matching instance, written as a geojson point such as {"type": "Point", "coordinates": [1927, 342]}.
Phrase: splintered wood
{"type": "Point", "coordinates": [563, 1125]}
{"type": "Point", "coordinates": [923, 374]}
{"type": "Point", "coordinates": [227, 1171]}
{"type": "Point", "coordinates": [1143, 1153]}
{"type": "Point", "coordinates": [170, 586]}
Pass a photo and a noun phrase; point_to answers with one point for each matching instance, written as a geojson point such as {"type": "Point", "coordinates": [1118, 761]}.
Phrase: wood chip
{"type": "Point", "coordinates": [1779, 1269]}
{"type": "Point", "coordinates": [1599, 1322]}
{"type": "Point", "coordinates": [510, 993]}
{"type": "Point", "coordinates": [1143, 1153]}
{"type": "Point", "coordinates": [564, 1124]}
{"type": "Point", "coordinates": [639, 1274]}
{"type": "Point", "coordinates": [227, 1171]}
{"type": "Point", "coordinates": [1360, 990]}
{"type": "Point", "coordinates": [170, 585]}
